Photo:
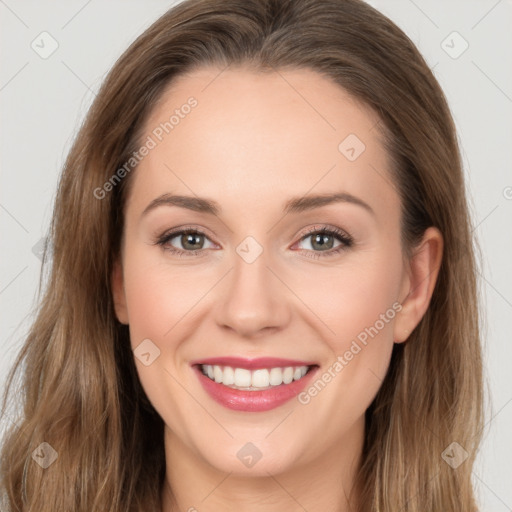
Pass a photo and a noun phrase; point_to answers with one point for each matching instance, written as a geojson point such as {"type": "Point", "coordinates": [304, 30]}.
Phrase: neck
{"type": "Point", "coordinates": [326, 483]}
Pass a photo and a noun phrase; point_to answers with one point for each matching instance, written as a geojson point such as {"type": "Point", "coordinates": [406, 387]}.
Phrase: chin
{"type": "Point", "coordinates": [251, 458]}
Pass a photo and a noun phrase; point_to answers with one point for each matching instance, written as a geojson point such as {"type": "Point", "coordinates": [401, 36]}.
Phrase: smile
{"type": "Point", "coordinates": [253, 385]}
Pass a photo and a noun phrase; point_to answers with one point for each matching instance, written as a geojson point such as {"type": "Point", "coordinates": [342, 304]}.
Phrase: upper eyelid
{"type": "Point", "coordinates": [320, 228]}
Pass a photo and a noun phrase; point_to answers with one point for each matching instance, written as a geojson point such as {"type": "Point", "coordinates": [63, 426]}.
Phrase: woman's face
{"type": "Point", "coordinates": [257, 285]}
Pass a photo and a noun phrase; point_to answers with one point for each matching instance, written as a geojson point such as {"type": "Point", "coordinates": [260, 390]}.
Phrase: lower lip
{"type": "Point", "coordinates": [253, 401]}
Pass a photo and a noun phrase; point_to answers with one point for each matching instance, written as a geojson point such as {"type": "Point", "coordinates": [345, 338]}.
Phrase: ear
{"type": "Point", "coordinates": [117, 284]}
{"type": "Point", "coordinates": [418, 283]}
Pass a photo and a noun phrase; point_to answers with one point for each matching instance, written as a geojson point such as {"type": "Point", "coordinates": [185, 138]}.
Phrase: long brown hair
{"type": "Point", "coordinates": [80, 392]}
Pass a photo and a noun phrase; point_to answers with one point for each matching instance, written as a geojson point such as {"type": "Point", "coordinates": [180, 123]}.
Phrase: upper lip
{"type": "Point", "coordinates": [252, 364]}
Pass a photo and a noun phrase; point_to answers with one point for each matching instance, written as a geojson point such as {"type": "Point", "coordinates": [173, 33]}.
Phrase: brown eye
{"type": "Point", "coordinates": [191, 241]}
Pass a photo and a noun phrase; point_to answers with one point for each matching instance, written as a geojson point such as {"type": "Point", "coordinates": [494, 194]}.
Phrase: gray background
{"type": "Point", "coordinates": [42, 101]}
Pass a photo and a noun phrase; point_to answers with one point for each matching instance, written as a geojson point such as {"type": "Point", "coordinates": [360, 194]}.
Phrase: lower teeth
{"type": "Point", "coordinates": [232, 386]}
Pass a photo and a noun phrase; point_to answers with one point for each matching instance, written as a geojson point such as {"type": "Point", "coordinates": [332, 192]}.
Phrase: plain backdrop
{"type": "Point", "coordinates": [43, 98]}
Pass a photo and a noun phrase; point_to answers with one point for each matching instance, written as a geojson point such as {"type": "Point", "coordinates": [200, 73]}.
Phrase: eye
{"type": "Point", "coordinates": [190, 241]}
{"type": "Point", "coordinates": [322, 240]}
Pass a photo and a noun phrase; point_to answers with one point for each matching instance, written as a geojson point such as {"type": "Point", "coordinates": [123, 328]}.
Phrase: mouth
{"type": "Point", "coordinates": [253, 385]}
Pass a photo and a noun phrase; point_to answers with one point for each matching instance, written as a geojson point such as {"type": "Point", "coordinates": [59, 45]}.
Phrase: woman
{"type": "Point", "coordinates": [262, 293]}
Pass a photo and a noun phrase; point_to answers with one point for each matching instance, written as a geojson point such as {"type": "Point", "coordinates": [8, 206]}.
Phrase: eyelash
{"type": "Point", "coordinates": [346, 241]}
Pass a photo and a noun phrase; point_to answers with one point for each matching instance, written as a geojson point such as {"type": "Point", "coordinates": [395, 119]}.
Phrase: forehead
{"type": "Point", "coordinates": [251, 133]}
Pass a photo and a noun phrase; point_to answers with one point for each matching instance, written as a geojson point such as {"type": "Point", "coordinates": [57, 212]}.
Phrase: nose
{"type": "Point", "coordinates": [253, 300]}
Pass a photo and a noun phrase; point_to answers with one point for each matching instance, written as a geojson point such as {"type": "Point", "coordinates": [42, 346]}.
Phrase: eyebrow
{"type": "Point", "coordinates": [294, 205]}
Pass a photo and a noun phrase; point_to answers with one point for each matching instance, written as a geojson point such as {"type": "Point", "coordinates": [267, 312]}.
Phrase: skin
{"type": "Point", "coordinates": [254, 141]}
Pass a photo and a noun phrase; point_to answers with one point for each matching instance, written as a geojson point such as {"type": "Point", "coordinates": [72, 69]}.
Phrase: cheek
{"type": "Point", "coordinates": [158, 295]}
{"type": "Point", "coordinates": [158, 302]}
{"type": "Point", "coordinates": [357, 306]}
{"type": "Point", "coordinates": [352, 298]}
{"type": "Point", "coordinates": [351, 376]}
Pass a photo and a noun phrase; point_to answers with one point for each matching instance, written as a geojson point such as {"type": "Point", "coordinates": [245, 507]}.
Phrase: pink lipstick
{"type": "Point", "coordinates": [253, 385]}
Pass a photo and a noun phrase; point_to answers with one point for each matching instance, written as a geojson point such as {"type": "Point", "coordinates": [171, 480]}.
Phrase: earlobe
{"type": "Point", "coordinates": [118, 294]}
{"type": "Point", "coordinates": [418, 283]}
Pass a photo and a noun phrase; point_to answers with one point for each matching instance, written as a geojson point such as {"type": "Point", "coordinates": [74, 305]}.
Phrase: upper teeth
{"type": "Point", "coordinates": [249, 379]}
